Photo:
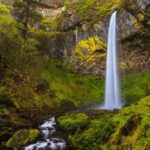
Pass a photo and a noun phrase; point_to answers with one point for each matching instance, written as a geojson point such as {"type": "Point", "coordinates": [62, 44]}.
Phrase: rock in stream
{"type": "Point", "coordinates": [49, 142]}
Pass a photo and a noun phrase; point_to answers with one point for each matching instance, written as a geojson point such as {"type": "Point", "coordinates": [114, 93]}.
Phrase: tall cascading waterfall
{"type": "Point", "coordinates": [112, 89]}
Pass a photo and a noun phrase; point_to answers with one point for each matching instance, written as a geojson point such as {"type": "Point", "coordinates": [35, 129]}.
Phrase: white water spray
{"type": "Point", "coordinates": [49, 142]}
{"type": "Point", "coordinates": [112, 89]}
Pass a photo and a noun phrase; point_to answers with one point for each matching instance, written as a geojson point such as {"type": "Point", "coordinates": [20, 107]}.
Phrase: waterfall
{"type": "Point", "coordinates": [112, 89]}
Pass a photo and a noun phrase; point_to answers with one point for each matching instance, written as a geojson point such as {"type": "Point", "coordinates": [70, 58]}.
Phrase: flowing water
{"type": "Point", "coordinates": [112, 89]}
{"type": "Point", "coordinates": [112, 96]}
{"type": "Point", "coordinates": [49, 141]}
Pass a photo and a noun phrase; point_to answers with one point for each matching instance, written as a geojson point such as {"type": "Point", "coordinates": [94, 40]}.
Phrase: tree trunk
{"type": "Point", "coordinates": [27, 13]}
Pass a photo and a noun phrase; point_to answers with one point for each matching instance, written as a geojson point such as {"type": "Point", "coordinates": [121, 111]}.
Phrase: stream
{"type": "Point", "coordinates": [50, 140]}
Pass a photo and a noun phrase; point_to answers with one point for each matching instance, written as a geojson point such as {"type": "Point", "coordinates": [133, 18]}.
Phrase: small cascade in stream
{"type": "Point", "coordinates": [112, 89]}
{"type": "Point", "coordinates": [49, 142]}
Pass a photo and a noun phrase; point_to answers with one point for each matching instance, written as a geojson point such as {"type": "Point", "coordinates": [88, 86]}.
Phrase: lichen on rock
{"type": "Point", "coordinates": [87, 52]}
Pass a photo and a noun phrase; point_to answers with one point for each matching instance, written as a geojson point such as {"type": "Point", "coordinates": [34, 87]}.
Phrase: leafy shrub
{"type": "Point", "coordinates": [92, 138]}
{"type": "Point", "coordinates": [73, 122]}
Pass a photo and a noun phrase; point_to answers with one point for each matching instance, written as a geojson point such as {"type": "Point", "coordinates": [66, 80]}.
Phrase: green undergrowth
{"type": "Point", "coordinates": [71, 86]}
{"type": "Point", "coordinates": [22, 137]}
{"type": "Point", "coordinates": [135, 86]}
{"type": "Point", "coordinates": [73, 122]}
{"type": "Point", "coordinates": [67, 85]}
{"type": "Point", "coordinates": [58, 84]}
{"type": "Point", "coordinates": [97, 134]}
{"type": "Point", "coordinates": [128, 129]}
{"type": "Point", "coordinates": [94, 133]}
{"type": "Point", "coordinates": [133, 129]}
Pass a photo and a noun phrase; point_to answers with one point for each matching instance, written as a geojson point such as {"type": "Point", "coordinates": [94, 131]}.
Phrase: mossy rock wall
{"type": "Point", "coordinates": [83, 20]}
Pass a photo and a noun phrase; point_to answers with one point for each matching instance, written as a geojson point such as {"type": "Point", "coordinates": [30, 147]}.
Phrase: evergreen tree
{"type": "Point", "coordinates": [25, 13]}
{"type": "Point", "coordinates": [9, 37]}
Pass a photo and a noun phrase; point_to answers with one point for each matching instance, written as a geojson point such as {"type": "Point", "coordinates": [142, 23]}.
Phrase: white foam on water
{"type": "Point", "coordinates": [47, 128]}
{"type": "Point", "coordinates": [49, 124]}
{"type": "Point", "coordinates": [53, 143]}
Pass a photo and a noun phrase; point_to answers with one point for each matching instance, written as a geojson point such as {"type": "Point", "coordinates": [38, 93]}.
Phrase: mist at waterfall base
{"type": "Point", "coordinates": [112, 88]}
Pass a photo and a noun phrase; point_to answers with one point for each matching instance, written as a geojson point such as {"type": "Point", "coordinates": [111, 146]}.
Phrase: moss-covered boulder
{"type": "Point", "coordinates": [128, 129]}
{"type": "Point", "coordinates": [133, 127]}
{"type": "Point", "coordinates": [22, 137]}
{"type": "Point", "coordinates": [91, 139]}
{"type": "Point", "coordinates": [73, 122]}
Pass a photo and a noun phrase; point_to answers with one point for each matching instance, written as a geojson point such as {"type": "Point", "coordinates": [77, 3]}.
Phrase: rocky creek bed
{"type": "Point", "coordinates": [52, 138]}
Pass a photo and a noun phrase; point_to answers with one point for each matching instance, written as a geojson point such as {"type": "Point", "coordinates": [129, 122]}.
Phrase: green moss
{"type": "Point", "coordinates": [73, 122]}
{"type": "Point", "coordinates": [22, 137]}
{"type": "Point", "coordinates": [20, 122]}
{"type": "Point", "coordinates": [88, 10]}
{"type": "Point", "coordinates": [64, 84]}
{"type": "Point", "coordinates": [128, 129]}
{"type": "Point", "coordinates": [86, 5]}
{"type": "Point", "coordinates": [30, 99]}
{"type": "Point", "coordinates": [47, 23]}
{"type": "Point", "coordinates": [136, 86]}
{"type": "Point", "coordinates": [33, 135]}
{"type": "Point", "coordinates": [42, 85]}
{"type": "Point", "coordinates": [133, 127]}
{"type": "Point", "coordinates": [68, 85]}
{"type": "Point", "coordinates": [91, 139]}
{"type": "Point", "coordinates": [4, 110]}
{"type": "Point", "coordinates": [85, 49]}
{"type": "Point", "coordinates": [4, 9]}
